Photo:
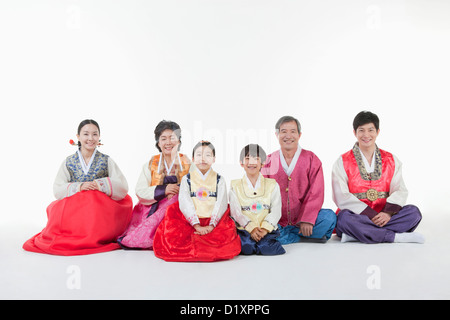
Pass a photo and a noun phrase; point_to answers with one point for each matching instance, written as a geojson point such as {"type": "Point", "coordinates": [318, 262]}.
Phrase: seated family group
{"type": "Point", "coordinates": [186, 212]}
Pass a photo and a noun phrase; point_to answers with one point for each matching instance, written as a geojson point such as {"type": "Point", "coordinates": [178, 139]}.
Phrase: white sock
{"type": "Point", "coordinates": [409, 237]}
{"type": "Point", "coordinates": [347, 238]}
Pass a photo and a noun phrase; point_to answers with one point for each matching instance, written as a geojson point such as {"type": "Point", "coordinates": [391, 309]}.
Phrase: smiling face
{"type": "Point", "coordinates": [252, 165]}
{"type": "Point", "coordinates": [366, 135]}
{"type": "Point", "coordinates": [168, 142]}
{"type": "Point", "coordinates": [288, 136]}
{"type": "Point", "coordinates": [89, 137]}
{"type": "Point", "coordinates": [204, 158]}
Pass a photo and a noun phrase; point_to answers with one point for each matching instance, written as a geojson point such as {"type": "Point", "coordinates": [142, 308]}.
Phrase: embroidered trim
{"type": "Point", "coordinates": [98, 168]}
{"type": "Point", "coordinates": [379, 195]}
{"type": "Point", "coordinates": [110, 186]}
{"type": "Point", "coordinates": [105, 186]}
{"type": "Point", "coordinates": [72, 188]}
{"type": "Point", "coordinates": [256, 207]}
{"type": "Point", "coordinates": [193, 220]}
{"type": "Point", "coordinates": [203, 194]}
{"type": "Point", "coordinates": [376, 174]}
{"type": "Point", "coordinates": [214, 220]}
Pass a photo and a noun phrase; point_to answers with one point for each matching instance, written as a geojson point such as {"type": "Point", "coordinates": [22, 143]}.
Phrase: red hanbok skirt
{"type": "Point", "coordinates": [175, 239]}
{"type": "Point", "coordinates": [87, 222]}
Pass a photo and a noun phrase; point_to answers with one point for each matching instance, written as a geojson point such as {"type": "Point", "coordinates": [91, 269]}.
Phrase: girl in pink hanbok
{"type": "Point", "coordinates": [157, 187]}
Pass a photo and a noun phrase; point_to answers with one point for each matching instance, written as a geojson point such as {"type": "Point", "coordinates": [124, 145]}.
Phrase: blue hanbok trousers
{"type": "Point", "coordinates": [269, 245]}
{"type": "Point", "coordinates": [322, 229]}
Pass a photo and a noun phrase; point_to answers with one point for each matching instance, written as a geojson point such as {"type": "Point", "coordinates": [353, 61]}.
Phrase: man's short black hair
{"type": "Point", "coordinates": [365, 117]}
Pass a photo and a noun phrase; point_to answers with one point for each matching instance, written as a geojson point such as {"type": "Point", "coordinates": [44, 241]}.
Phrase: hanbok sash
{"type": "Point", "coordinates": [156, 167]}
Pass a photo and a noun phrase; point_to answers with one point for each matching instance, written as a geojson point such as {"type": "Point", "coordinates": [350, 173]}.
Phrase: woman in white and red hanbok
{"type": "Point", "coordinates": [92, 207]}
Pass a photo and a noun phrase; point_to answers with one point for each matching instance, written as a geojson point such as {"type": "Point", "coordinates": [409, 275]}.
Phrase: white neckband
{"type": "Point", "coordinates": [165, 163]}
{"type": "Point", "coordinates": [85, 166]}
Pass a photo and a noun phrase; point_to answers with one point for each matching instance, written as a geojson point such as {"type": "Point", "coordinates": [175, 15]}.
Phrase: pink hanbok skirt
{"type": "Point", "coordinates": [142, 228]}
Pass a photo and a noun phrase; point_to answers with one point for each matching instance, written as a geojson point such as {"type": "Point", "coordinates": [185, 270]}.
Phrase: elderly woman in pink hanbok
{"type": "Point", "coordinates": [157, 187]}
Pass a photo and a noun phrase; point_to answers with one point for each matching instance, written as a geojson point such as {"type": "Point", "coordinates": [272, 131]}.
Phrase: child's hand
{"type": "Point", "coordinates": [263, 232]}
{"type": "Point", "coordinates": [202, 230]}
{"type": "Point", "coordinates": [258, 233]}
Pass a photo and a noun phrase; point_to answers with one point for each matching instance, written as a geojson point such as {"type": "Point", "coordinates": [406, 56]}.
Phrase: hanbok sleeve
{"type": "Point", "coordinates": [186, 204]}
{"type": "Point", "coordinates": [115, 185]}
{"type": "Point", "coordinates": [342, 196]}
{"type": "Point", "coordinates": [221, 203]}
{"type": "Point", "coordinates": [314, 197]}
{"type": "Point", "coordinates": [398, 193]}
{"type": "Point", "coordinates": [271, 221]}
{"type": "Point", "coordinates": [270, 168]}
{"type": "Point", "coordinates": [144, 192]}
{"type": "Point", "coordinates": [236, 212]}
{"type": "Point", "coordinates": [62, 187]}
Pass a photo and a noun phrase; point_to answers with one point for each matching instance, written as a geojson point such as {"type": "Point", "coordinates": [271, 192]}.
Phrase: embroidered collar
{"type": "Point", "coordinates": [376, 174]}
{"type": "Point", "coordinates": [83, 164]}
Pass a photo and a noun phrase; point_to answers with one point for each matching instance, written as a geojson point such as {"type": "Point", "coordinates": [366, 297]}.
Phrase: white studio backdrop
{"type": "Point", "coordinates": [225, 71]}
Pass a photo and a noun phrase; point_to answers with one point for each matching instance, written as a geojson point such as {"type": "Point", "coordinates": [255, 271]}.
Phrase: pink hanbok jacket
{"type": "Point", "coordinates": [302, 193]}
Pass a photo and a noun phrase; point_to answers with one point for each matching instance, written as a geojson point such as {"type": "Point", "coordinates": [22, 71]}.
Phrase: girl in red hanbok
{"type": "Point", "coordinates": [199, 227]}
{"type": "Point", "coordinates": [92, 206]}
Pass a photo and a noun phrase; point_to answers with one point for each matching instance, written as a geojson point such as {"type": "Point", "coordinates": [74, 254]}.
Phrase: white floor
{"type": "Point", "coordinates": [307, 271]}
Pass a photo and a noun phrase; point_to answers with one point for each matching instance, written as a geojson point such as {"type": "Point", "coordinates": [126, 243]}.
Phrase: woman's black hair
{"type": "Point", "coordinates": [88, 121]}
{"type": "Point", "coordinates": [253, 150]}
{"type": "Point", "coordinates": [365, 117]}
{"type": "Point", "coordinates": [85, 122]}
{"type": "Point", "coordinates": [167, 125]}
{"type": "Point", "coordinates": [204, 143]}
